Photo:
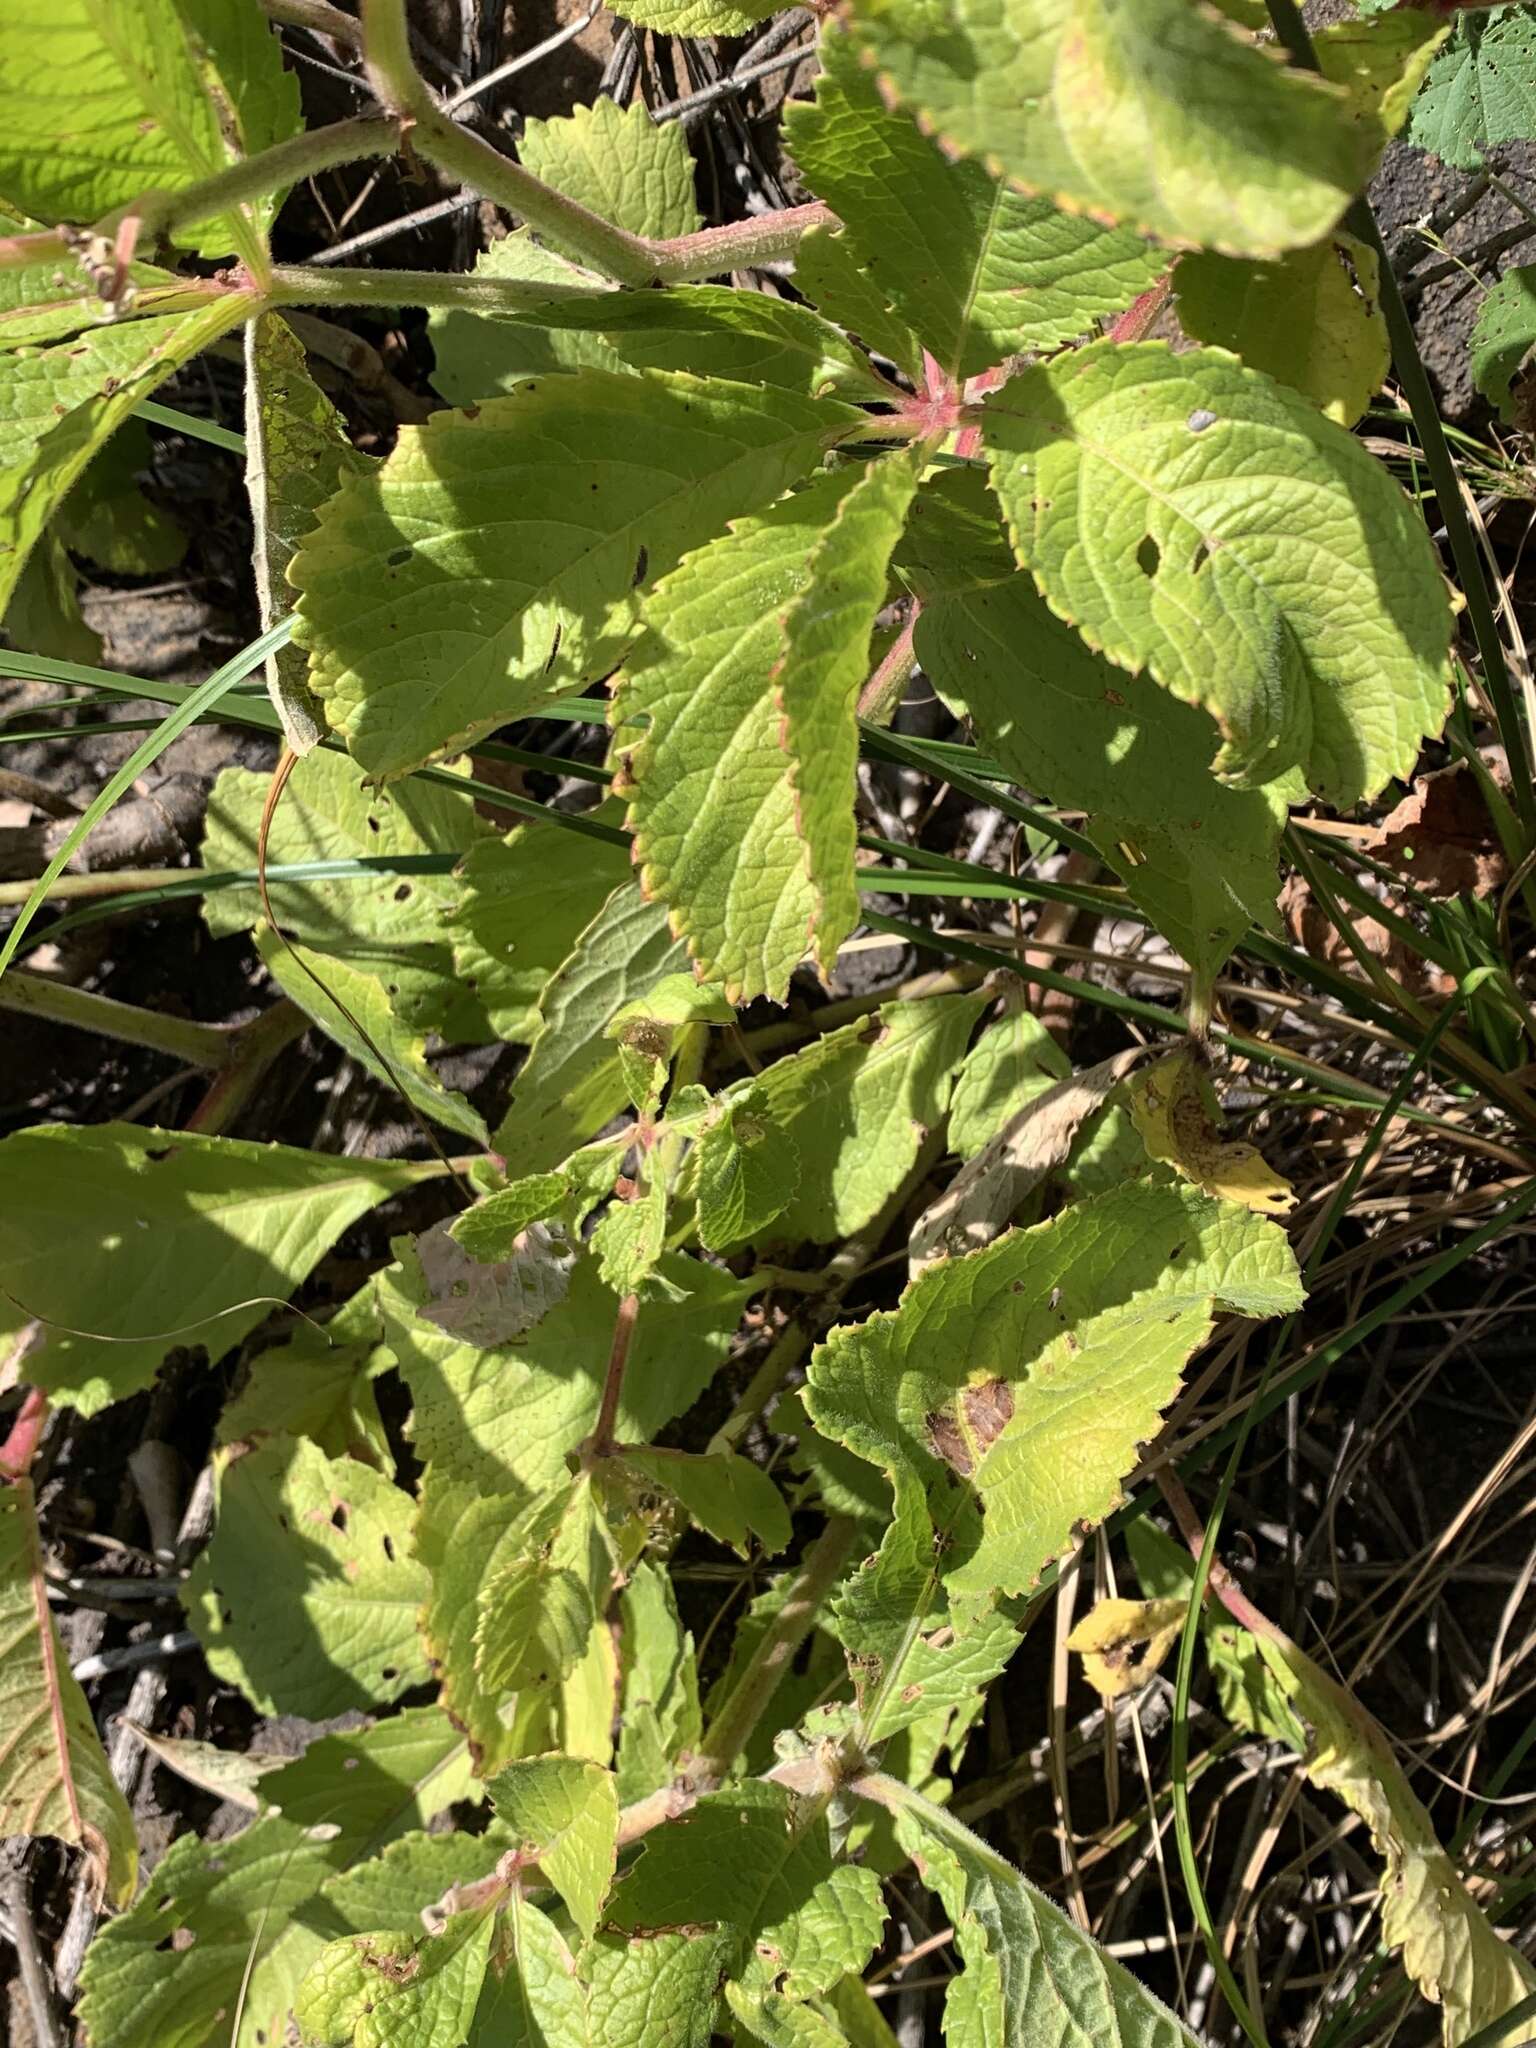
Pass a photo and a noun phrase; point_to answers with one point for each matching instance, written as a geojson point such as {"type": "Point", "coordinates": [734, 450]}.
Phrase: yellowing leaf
{"type": "Point", "coordinates": [1176, 1111]}
{"type": "Point", "coordinates": [1311, 319]}
{"type": "Point", "coordinates": [1309, 616]}
{"type": "Point", "coordinates": [1270, 1687]}
{"type": "Point", "coordinates": [497, 558]}
{"type": "Point", "coordinates": [1123, 1642]}
{"type": "Point", "coordinates": [54, 1774]}
{"type": "Point", "coordinates": [1093, 103]}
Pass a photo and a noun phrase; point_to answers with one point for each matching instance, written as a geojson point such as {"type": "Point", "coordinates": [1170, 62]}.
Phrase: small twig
{"type": "Point", "coordinates": [132, 1655]}
{"type": "Point", "coordinates": [370, 238]}
{"type": "Point", "coordinates": [513, 65]}
{"type": "Point", "coordinates": [708, 96]}
{"type": "Point", "coordinates": [34, 1971]}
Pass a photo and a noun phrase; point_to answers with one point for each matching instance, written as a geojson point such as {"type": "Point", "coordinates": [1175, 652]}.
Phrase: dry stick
{"type": "Point", "coordinates": [742, 1709]}
{"type": "Point", "coordinates": [125, 1754]}
{"type": "Point", "coordinates": [34, 1971]}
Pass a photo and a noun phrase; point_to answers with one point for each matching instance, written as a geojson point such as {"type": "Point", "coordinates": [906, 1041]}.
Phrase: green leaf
{"type": "Point", "coordinates": [306, 1596]}
{"type": "Point", "coordinates": [543, 1586]}
{"type": "Point", "coordinates": [391, 930]}
{"type": "Point", "coordinates": [737, 743]}
{"type": "Point", "coordinates": [748, 1167]}
{"type": "Point", "coordinates": [1090, 103]}
{"type": "Point", "coordinates": [523, 902]}
{"type": "Point", "coordinates": [1503, 337]}
{"type": "Point", "coordinates": [616, 161]}
{"type": "Point", "coordinates": [259, 1908]}
{"type": "Point", "coordinates": [123, 1229]}
{"type": "Point", "coordinates": [102, 101]}
{"type": "Point", "coordinates": [1008, 1393]}
{"type": "Point", "coordinates": [1014, 1060]}
{"type": "Point", "coordinates": [107, 518]}
{"type": "Point", "coordinates": [297, 452]}
{"type": "Point", "coordinates": [328, 813]}
{"type": "Point", "coordinates": [832, 276]}
{"type": "Point", "coordinates": [532, 1996]}
{"type": "Point", "coordinates": [503, 1420]}
{"type": "Point", "coordinates": [729, 1497]}
{"type": "Point", "coordinates": [352, 1007]}
{"type": "Point", "coordinates": [54, 1774]}
{"type": "Point", "coordinates": [857, 1105]}
{"type": "Point", "coordinates": [653, 1986]}
{"type": "Point", "coordinates": [1271, 1688]}
{"type": "Point", "coordinates": [1480, 90]}
{"type": "Point", "coordinates": [770, 2019]}
{"type": "Point", "coordinates": [712, 330]}
{"type": "Point", "coordinates": [1031, 1974]}
{"type": "Point", "coordinates": [1310, 618]}
{"type": "Point", "coordinates": [490, 1230]}
{"type": "Point", "coordinates": [697, 745]}
{"type": "Point", "coordinates": [318, 1384]}
{"type": "Point", "coordinates": [573, 1083]}
{"type": "Point", "coordinates": [60, 403]}
{"type": "Point", "coordinates": [394, 1989]}
{"type": "Point", "coordinates": [659, 1716]}
{"type": "Point", "coordinates": [696, 17]}
{"type": "Point", "coordinates": [1323, 300]}
{"type": "Point", "coordinates": [759, 1864]}
{"type": "Point", "coordinates": [979, 272]}
{"type": "Point", "coordinates": [457, 1528]}
{"type": "Point", "coordinates": [1198, 856]}
{"type": "Point", "coordinates": [493, 1429]}
{"type": "Point", "coordinates": [54, 295]}
{"type": "Point", "coordinates": [44, 615]}
{"type": "Point", "coordinates": [566, 1813]}
{"type": "Point", "coordinates": [825, 659]}
{"type": "Point", "coordinates": [497, 559]}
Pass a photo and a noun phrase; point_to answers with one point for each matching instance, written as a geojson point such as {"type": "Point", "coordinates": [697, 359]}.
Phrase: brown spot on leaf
{"type": "Point", "coordinates": [963, 1436]}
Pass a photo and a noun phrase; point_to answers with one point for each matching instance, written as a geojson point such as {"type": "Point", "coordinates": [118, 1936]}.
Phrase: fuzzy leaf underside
{"type": "Point", "coordinates": [498, 556]}
{"type": "Point", "coordinates": [1194, 518]}
{"type": "Point", "coordinates": [1154, 113]}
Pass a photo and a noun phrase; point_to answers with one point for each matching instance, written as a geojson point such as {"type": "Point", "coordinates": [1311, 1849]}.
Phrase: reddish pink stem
{"type": "Point", "coordinates": [20, 1447]}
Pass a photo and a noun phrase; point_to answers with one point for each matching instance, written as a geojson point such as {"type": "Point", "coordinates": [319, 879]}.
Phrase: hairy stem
{"type": "Point", "coordinates": [301, 156]}
{"type": "Point", "coordinates": [743, 1707]}
{"type": "Point", "coordinates": [251, 1052]}
{"type": "Point", "coordinates": [632, 259]}
{"type": "Point", "coordinates": [293, 285]}
{"type": "Point", "coordinates": [199, 1045]}
{"type": "Point", "coordinates": [601, 1443]}
{"type": "Point", "coordinates": [1414, 379]}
